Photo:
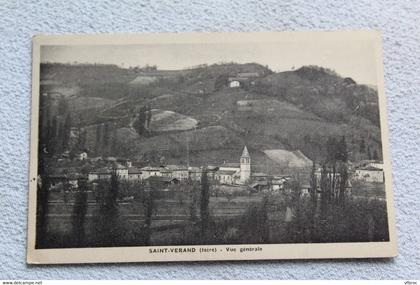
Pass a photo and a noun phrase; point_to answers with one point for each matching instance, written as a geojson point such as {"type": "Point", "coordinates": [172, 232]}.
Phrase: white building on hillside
{"type": "Point", "coordinates": [234, 84]}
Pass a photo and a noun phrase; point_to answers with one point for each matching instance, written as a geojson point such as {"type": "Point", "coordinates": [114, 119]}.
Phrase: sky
{"type": "Point", "coordinates": [354, 60]}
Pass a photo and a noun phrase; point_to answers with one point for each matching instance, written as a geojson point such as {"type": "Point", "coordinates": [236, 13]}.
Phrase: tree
{"type": "Point", "coordinates": [52, 140]}
{"type": "Point", "coordinates": [79, 213]}
{"type": "Point", "coordinates": [375, 155]}
{"type": "Point", "coordinates": [62, 106]}
{"type": "Point", "coordinates": [342, 154]}
{"type": "Point", "coordinates": [204, 204]}
{"type": "Point", "coordinates": [148, 116]}
{"type": "Point", "coordinates": [193, 197]}
{"type": "Point", "coordinates": [65, 130]}
{"type": "Point", "coordinates": [106, 134]}
{"type": "Point", "coordinates": [114, 193]}
{"type": "Point", "coordinates": [99, 135]}
{"type": "Point", "coordinates": [362, 146]}
{"type": "Point", "coordinates": [314, 199]}
{"type": "Point", "coordinates": [42, 209]}
{"type": "Point", "coordinates": [221, 81]}
{"type": "Point", "coordinates": [331, 147]}
{"type": "Point", "coordinates": [114, 145]}
{"type": "Point", "coordinates": [82, 139]}
{"type": "Point", "coordinates": [324, 190]}
{"type": "Point", "coordinates": [149, 207]}
{"type": "Point", "coordinates": [139, 121]}
{"type": "Point", "coordinates": [343, 183]}
{"type": "Point", "coordinates": [107, 219]}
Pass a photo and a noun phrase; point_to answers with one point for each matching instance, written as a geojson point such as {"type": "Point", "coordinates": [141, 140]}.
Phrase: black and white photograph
{"type": "Point", "coordinates": [209, 147]}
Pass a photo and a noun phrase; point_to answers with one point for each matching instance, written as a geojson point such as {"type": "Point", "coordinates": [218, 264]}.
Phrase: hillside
{"type": "Point", "coordinates": [323, 92]}
{"type": "Point", "coordinates": [292, 110]}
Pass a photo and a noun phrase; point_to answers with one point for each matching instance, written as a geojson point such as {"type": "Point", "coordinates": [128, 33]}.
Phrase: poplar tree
{"type": "Point", "coordinates": [204, 204]}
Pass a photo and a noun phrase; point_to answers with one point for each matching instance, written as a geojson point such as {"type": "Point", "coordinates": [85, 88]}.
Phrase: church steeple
{"type": "Point", "coordinates": [245, 166]}
{"type": "Point", "coordinates": [245, 152]}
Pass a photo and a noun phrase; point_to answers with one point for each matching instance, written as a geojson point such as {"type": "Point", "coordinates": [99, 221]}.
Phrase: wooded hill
{"type": "Point", "coordinates": [297, 109]}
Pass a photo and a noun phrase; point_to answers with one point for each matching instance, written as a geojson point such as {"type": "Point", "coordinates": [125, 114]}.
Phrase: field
{"type": "Point", "coordinates": [164, 121]}
{"type": "Point", "coordinates": [238, 217]}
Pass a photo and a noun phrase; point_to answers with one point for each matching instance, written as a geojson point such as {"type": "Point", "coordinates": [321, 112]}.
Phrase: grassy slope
{"type": "Point", "coordinates": [271, 122]}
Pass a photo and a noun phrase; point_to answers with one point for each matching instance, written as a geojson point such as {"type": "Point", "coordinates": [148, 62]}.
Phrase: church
{"type": "Point", "coordinates": [235, 173]}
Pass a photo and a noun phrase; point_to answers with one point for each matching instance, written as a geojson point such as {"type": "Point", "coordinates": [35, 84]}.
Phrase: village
{"type": "Point", "coordinates": [207, 153]}
{"type": "Point", "coordinates": [229, 174]}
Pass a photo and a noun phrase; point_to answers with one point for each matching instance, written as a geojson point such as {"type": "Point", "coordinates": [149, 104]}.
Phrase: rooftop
{"type": "Point", "coordinates": [176, 167]}
{"type": "Point", "coordinates": [231, 165]}
{"type": "Point", "coordinates": [163, 179]}
{"type": "Point", "coordinates": [226, 172]}
{"type": "Point", "coordinates": [370, 168]}
{"type": "Point", "coordinates": [151, 168]}
{"type": "Point", "coordinates": [133, 170]}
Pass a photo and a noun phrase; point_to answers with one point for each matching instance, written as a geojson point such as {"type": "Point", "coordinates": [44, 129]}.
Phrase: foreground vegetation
{"type": "Point", "coordinates": [135, 214]}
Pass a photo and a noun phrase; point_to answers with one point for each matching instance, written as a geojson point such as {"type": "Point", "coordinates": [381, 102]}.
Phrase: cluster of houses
{"type": "Point", "coordinates": [127, 172]}
{"type": "Point", "coordinates": [231, 174]}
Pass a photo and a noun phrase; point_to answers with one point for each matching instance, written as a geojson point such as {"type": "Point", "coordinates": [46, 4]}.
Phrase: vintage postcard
{"type": "Point", "coordinates": [209, 146]}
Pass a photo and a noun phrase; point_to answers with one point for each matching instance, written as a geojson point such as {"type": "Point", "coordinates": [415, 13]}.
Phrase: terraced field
{"type": "Point", "coordinates": [165, 121]}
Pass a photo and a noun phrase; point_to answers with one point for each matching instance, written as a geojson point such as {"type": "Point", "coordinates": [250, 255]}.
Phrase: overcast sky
{"type": "Point", "coordinates": [354, 60]}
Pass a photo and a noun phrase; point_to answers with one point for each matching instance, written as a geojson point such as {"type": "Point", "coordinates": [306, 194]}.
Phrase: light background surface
{"type": "Point", "coordinates": [399, 22]}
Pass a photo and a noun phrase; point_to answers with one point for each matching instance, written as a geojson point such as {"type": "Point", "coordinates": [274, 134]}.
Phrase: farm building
{"type": "Point", "coordinates": [134, 173]}
{"type": "Point", "coordinates": [243, 79]}
{"type": "Point", "coordinates": [234, 84]}
{"type": "Point", "coordinates": [211, 171]}
{"type": "Point", "coordinates": [148, 171]}
{"type": "Point", "coordinates": [82, 155]}
{"type": "Point", "coordinates": [175, 171]}
{"type": "Point", "coordinates": [260, 186]}
{"type": "Point", "coordinates": [70, 180]}
{"type": "Point", "coordinates": [227, 176]}
{"type": "Point", "coordinates": [105, 173]}
{"type": "Point", "coordinates": [370, 163]}
{"type": "Point", "coordinates": [99, 174]}
{"type": "Point", "coordinates": [160, 181]}
{"type": "Point", "coordinates": [369, 174]}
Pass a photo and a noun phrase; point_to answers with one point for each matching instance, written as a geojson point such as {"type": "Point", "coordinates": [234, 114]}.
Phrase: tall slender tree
{"type": "Point", "coordinates": [314, 200]}
{"type": "Point", "coordinates": [79, 213]}
{"type": "Point", "coordinates": [99, 136]}
{"type": "Point", "coordinates": [149, 208]}
{"type": "Point", "coordinates": [343, 183]}
{"type": "Point", "coordinates": [204, 204]}
{"type": "Point", "coordinates": [65, 130]}
{"type": "Point", "coordinates": [107, 219]}
{"type": "Point", "coordinates": [106, 134]}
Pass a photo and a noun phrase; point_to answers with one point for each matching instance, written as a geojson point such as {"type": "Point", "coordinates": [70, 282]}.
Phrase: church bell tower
{"type": "Point", "coordinates": [245, 166]}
